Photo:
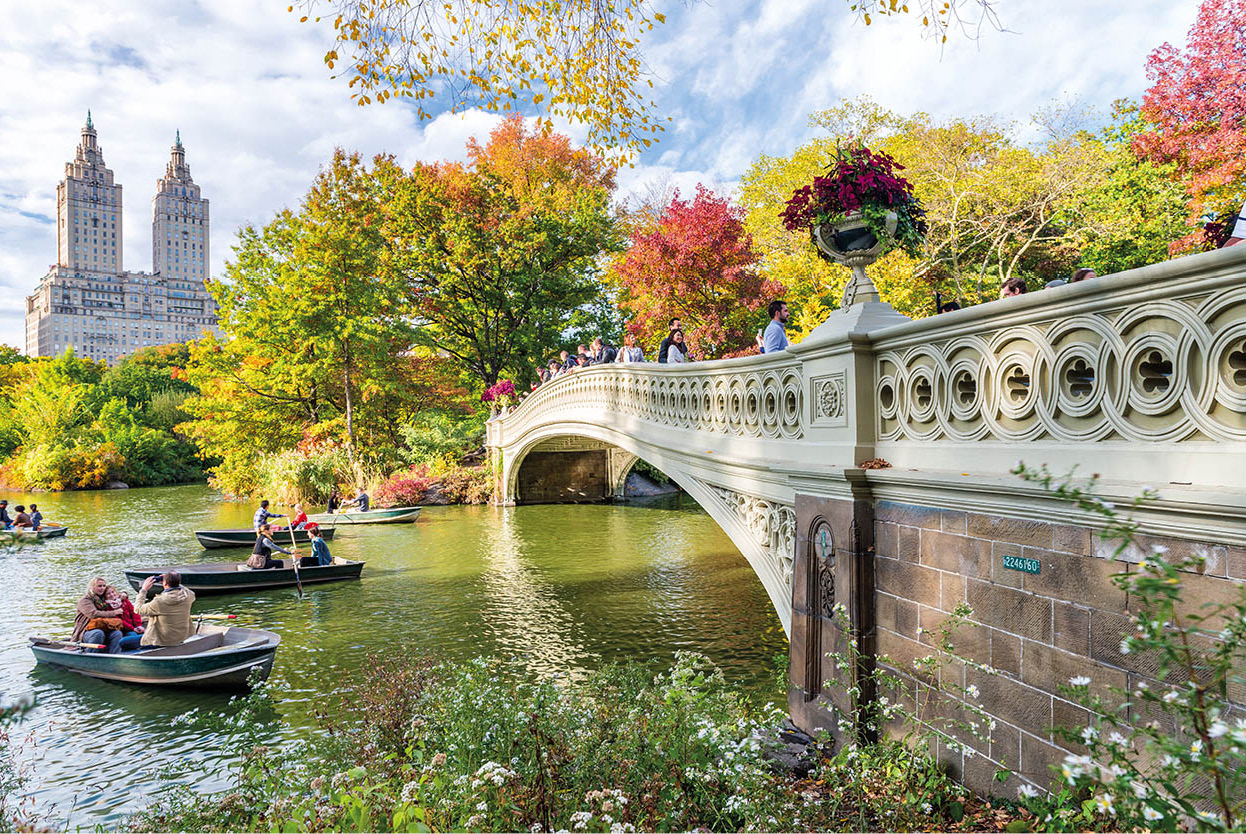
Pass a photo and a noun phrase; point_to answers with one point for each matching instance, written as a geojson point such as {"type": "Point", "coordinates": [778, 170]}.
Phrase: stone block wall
{"type": "Point", "coordinates": [1033, 631]}
{"type": "Point", "coordinates": [565, 477]}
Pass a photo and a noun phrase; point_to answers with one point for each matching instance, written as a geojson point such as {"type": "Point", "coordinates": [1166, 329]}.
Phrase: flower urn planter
{"type": "Point", "coordinates": [851, 242]}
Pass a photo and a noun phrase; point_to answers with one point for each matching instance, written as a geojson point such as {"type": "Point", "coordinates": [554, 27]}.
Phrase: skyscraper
{"type": "Point", "coordinates": [86, 300]}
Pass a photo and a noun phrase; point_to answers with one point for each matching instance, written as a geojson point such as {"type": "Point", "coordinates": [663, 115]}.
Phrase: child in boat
{"type": "Point", "coordinates": [22, 519]}
{"type": "Point", "coordinates": [36, 517]}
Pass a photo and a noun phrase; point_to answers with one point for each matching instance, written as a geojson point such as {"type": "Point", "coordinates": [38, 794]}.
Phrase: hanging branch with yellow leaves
{"type": "Point", "coordinates": [578, 60]}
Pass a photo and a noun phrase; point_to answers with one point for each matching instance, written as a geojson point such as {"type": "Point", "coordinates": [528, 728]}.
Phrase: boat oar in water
{"type": "Point", "coordinates": [294, 560]}
{"type": "Point", "coordinates": [216, 616]}
{"type": "Point", "coordinates": [74, 643]}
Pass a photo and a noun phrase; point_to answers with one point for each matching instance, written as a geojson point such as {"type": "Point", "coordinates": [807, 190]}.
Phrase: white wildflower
{"type": "Point", "coordinates": [1171, 695]}
{"type": "Point", "coordinates": [1027, 792]}
{"type": "Point", "coordinates": [1140, 789]}
{"type": "Point", "coordinates": [971, 691]}
{"type": "Point", "coordinates": [1105, 803]}
{"type": "Point", "coordinates": [1217, 729]}
{"type": "Point", "coordinates": [1125, 646]}
{"type": "Point", "coordinates": [1080, 680]}
{"type": "Point", "coordinates": [1089, 734]}
{"type": "Point", "coordinates": [1150, 814]}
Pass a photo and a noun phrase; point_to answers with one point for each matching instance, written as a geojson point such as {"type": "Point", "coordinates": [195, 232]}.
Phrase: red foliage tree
{"type": "Point", "coordinates": [1197, 104]}
{"type": "Point", "coordinates": [698, 264]}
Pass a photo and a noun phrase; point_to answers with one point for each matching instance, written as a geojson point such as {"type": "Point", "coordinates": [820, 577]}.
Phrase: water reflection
{"type": "Point", "coordinates": [560, 589]}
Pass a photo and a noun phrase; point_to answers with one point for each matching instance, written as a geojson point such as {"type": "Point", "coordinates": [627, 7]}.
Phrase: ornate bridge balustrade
{"type": "Point", "coordinates": [1139, 377]}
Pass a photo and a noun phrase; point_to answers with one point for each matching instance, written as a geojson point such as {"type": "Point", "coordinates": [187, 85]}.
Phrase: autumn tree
{"type": "Point", "coordinates": [698, 264]}
{"type": "Point", "coordinates": [316, 323]}
{"type": "Point", "coordinates": [501, 255]}
{"type": "Point", "coordinates": [1197, 106]}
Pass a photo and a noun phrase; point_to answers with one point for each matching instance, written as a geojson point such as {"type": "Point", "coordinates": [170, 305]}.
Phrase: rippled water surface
{"type": "Point", "coordinates": [561, 589]}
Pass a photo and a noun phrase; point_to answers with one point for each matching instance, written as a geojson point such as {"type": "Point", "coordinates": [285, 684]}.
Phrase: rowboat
{"type": "Point", "coordinates": [210, 539]}
{"type": "Point", "coordinates": [215, 657]}
{"type": "Point", "coordinates": [230, 577]}
{"type": "Point", "coordinates": [47, 531]}
{"type": "Point", "coordinates": [393, 515]}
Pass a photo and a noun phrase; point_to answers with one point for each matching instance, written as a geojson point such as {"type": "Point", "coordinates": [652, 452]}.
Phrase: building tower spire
{"type": "Point", "coordinates": [89, 120]}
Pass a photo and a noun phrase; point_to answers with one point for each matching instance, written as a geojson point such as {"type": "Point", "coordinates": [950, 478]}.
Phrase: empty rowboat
{"type": "Point", "coordinates": [211, 539]}
{"type": "Point", "coordinates": [215, 657]}
{"type": "Point", "coordinates": [231, 577]}
{"type": "Point", "coordinates": [393, 515]}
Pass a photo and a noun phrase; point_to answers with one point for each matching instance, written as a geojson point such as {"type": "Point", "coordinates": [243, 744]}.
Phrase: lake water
{"type": "Point", "coordinates": [558, 589]}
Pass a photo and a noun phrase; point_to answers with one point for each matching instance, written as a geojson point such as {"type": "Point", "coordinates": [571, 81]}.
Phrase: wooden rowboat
{"type": "Point", "coordinates": [393, 515]}
{"type": "Point", "coordinates": [230, 577]}
{"type": "Point", "coordinates": [215, 657]}
{"type": "Point", "coordinates": [210, 539]}
{"type": "Point", "coordinates": [47, 531]}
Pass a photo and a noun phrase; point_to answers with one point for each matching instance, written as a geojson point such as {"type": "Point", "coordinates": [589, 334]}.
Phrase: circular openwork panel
{"type": "Point", "coordinates": [921, 394]}
{"type": "Point", "coordinates": [1153, 379]}
{"type": "Point", "coordinates": [735, 404]}
{"type": "Point", "coordinates": [1079, 382]}
{"type": "Point", "coordinates": [790, 404]}
{"type": "Point", "coordinates": [1014, 381]}
{"type": "Point", "coordinates": [1230, 357]}
{"type": "Point", "coordinates": [964, 398]}
{"type": "Point", "coordinates": [887, 398]}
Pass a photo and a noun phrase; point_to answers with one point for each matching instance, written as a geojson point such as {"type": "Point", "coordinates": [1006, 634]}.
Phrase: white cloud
{"type": "Point", "coordinates": [259, 112]}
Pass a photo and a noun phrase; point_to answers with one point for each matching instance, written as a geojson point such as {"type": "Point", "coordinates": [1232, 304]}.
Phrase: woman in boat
{"type": "Point", "coordinates": [262, 555]}
{"type": "Point", "coordinates": [36, 517]}
{"type": "Point", "coordinates": [335, 500]}
{"type": "Point", "coordinates": [299, 520]}
{"type": "Point", "coordinates": [22, 520]}
{"type": "Point", "coordinates": [95, 608]}
{"type": "Point", "coordinates": [320, 549]}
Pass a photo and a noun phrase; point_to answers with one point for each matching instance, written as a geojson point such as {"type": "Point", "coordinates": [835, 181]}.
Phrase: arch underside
{"type": "Point", "coordinates": [761, 525]}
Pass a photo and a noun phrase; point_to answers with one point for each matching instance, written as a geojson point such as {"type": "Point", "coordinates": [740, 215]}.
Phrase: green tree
{"type": "Point", "coordinates": [502, 254]}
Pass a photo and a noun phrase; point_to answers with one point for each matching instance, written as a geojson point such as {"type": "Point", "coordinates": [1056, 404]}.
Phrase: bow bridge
{"type": "Point", "coordinates": [1138, 377]}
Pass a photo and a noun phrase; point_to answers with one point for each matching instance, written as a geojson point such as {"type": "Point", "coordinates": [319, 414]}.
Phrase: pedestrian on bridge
{"type": "Point", "coordinates": [630, 352]}
{"type": "Point", "coordinates": [666, 343]}
{"type": "Point", "coordinates": [677, 353]}
{"type": "Point", "coordinates": [775, 337]}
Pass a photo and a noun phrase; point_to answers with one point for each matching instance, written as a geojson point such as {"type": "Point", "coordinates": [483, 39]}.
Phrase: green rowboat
{"type": "Point", "coordinates": [393, 515]}
{"type": "Point", "coordinates": [209, 539]}
{"type": "Point", "coordinates": [215, 657]}
{"type": "Point", "coordinates": [231, 577]}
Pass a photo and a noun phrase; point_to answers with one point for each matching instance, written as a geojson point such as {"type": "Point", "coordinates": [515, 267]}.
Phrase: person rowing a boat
{"type": "Point", "coordinates": [262, 515]}
{"type": "Point", "coordinates": [167, 613]}
{"type": "Point", "coordinates": [360, 502]}
{"type": "Point", "coordinates": [262, 555]}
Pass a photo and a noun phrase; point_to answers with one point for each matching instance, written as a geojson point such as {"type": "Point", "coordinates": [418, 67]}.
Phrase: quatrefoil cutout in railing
{"type": "Point", "coordinates": [923, 394]}
{"type": "Point", "coordinates": [1017, 383]}
{"type": "Point", "coordinates": [1080, 378]}
{"type": "Point", "coordinates": [1156, 373]}
{"type": "Point", "coordinates": [1237, 365]}
{"type": "Point", "coordinates": [966, 388]}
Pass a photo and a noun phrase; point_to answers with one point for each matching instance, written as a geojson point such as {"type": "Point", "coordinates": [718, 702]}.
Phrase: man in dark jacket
{"type": "Point", "coordinates": [602, 352]}
{"type": "Point", "coordinates": [675, 325]}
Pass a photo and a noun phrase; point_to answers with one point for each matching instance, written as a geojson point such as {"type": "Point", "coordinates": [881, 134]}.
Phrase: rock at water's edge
{"type": "Point", "coordinates": [117, 485]}
{"type": "Point", "coordinates": [642, 486]}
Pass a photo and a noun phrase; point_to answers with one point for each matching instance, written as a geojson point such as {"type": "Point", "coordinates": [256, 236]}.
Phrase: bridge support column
{"type": "Point", "coordinates": [832, 604]}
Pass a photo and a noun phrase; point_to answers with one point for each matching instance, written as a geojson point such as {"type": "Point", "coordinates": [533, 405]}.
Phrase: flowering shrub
{"type": "Point", "coordinates": [468, 485]}
{"type": "Point", "coordinates": [503, 394]}
{"type": "Point", "coordinates": [863, 181]}
{"type": "Point", "coordinates": [403, 489]}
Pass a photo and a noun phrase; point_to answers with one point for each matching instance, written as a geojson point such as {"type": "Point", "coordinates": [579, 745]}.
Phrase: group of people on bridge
{"type": "Point", "coordinates": [672, 351]}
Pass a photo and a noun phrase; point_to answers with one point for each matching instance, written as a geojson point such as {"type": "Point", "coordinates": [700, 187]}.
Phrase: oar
{"type": "Point", "coordinates": [298, 583]}
{"type": "Point", "coordinates": [217, 616]}
{"type": "Point", "coordinates": [47, 642]}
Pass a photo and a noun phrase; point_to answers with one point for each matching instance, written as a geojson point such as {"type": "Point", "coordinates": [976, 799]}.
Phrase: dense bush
{"type": "Point", "coordinates": [291, 476]}
{"type": "Point", "coordinates": [441, 437]}
{"type": "Point", "coordinates": [468, 485]}
{"type": "Point", "coordinates": [403, 489]}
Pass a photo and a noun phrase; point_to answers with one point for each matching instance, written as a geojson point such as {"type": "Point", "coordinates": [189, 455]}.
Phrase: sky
{"type": "Point", "coordinates": [259, 112]}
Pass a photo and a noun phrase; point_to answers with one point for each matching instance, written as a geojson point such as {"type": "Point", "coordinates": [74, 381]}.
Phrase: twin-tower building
{"type": "Point", "coordinates": [87, 301]}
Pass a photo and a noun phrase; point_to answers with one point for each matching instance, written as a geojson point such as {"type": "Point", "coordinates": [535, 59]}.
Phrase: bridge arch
{"type": "Point", "coordinates": [763, 530]}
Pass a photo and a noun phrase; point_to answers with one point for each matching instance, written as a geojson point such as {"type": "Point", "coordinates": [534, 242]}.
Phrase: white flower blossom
{"type": "Point", "coordinates": [1217, 729]}
{"type": "Point", "coordinates": [1150, 814]}
{"type": "Point", "coordinates": [1125, 646]}
{"type": "Point", "coordinates": [1080, 680]}
{"type": "Point", "coordinates": [1171, 695]}
{"type": "Point", "coordinates": [1104, 802]}
{"type": "Point", "coordinates": [1140, 790]}
{"type": "Point", "coordinates": [1027, 792]}
{"type": "Point", "coordinates": [1117, 738]}
{"type": "Point", "coordinates": [971, 691]}
{"type": "Point", "coordinates": [1089, 734]}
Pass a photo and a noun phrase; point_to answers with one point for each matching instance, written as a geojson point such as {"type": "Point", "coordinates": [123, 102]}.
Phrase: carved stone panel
{"type": "Point", "coordinates": [773, 524]}
{"type": "Point", "coordinates": [827, 401]}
